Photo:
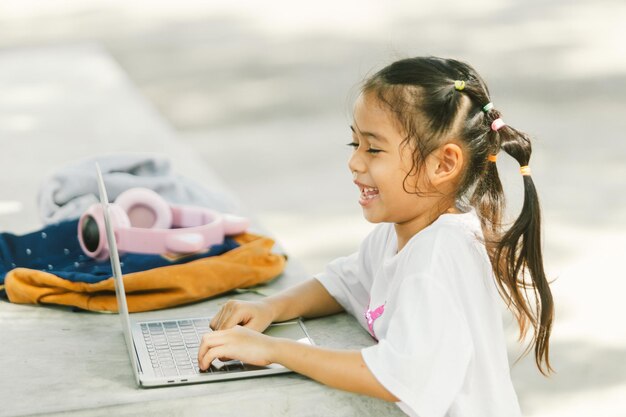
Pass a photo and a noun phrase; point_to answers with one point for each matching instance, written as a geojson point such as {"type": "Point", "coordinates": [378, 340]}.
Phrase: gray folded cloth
{"type": "Point", "coordinates": [68, 192]}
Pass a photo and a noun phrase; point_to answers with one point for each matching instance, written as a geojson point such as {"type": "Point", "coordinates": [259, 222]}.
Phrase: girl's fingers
{"type": "Point", "coordinates": [216, 319]}
{"type": "Point", "coordinates": [214, 353]}
{"type": "Point", "coordinates": [233, 319]}
{"type": "Point", "coordinates": [209, 341]}
{"type": "Point", "coordinates": [224, 312]}
{"type": "Point", "coordinates": [230, 315]}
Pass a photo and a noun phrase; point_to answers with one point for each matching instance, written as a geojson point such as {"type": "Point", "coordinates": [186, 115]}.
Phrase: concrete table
{"type": "Point", "coordinates": [61, 104]}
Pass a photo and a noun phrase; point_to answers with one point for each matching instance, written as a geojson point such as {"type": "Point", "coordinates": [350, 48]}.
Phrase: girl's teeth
{"type": "Point", "coordinates": [369, 192]}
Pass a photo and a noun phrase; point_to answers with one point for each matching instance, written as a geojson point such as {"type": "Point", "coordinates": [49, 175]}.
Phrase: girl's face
{"type": "Point", "coordinates": [380, 163]}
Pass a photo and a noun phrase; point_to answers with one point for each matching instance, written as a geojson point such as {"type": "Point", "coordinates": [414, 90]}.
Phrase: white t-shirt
{"type": "Point", "coordinates": [441, 348]}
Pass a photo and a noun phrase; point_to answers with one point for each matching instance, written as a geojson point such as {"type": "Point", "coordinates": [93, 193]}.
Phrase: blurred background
{"type": "Point", "coordinates": [262, 92]}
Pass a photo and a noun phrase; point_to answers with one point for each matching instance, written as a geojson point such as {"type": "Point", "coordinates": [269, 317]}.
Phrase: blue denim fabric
{"type": "Point", "coordinates": [55, 249]}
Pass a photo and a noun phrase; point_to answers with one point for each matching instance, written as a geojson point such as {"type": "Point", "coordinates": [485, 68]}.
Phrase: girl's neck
{"type": "Point", "coordinates": [405, 231]}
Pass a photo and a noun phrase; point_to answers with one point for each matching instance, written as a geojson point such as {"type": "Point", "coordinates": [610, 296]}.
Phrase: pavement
{"type": "Point", "coordinates": [262, 92]}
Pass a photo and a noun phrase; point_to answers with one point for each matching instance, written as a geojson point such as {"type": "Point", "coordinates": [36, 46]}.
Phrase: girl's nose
{"type": "Point", "coordinates": [355, 163]}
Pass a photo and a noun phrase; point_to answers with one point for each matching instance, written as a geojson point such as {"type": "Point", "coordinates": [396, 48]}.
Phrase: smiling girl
{"type": "Point", "coordinates": [428, 282]}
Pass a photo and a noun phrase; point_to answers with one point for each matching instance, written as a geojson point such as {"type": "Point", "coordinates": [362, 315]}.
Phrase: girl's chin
{"type": "Point", "coordinates": [371, 216]}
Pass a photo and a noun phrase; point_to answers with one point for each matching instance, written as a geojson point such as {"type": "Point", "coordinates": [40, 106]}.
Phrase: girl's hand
{"type": "Point", "coordinates": [256, 315]}
{"type": "Point", "coordinates": [239, 343]}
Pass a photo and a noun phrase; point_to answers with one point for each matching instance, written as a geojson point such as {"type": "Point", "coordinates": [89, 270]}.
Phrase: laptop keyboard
{"type": "Point", "coordinates": [173, 347]}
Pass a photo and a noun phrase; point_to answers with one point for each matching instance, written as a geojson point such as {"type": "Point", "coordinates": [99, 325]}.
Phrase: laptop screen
{"type": "Point", "coordinates": [117, 273]}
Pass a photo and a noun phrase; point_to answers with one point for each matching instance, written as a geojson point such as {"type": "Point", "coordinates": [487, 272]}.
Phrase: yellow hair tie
{"type": "Point", "coordinates": [492, 158]}
{"type": "Point", "coordinates": [459, 85]}
{"type": "Point", "coordinates": [525, 170]}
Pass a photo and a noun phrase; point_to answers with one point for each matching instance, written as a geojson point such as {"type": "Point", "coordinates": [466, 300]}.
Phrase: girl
{"type": "Point", "coordinates": [425, 281]}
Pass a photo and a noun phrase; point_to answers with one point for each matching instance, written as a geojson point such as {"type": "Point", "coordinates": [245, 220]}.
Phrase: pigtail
{"type": "Point", "coordinates": [515, 253]}
{"type": "Point", "coordinates": [517, 256]}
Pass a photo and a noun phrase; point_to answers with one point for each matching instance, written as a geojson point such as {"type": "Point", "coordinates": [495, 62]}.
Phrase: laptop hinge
{"type": "Point", "coordinates": [137, 356]}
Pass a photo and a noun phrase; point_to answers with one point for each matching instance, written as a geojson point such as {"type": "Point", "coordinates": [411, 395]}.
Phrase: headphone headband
{"type": "Point", "coordinates": [164, 228]}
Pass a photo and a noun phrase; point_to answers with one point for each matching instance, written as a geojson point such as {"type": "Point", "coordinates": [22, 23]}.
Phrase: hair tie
{"type": "Point", "coordinates": [459, 85]}
{"type": "Point", "coordinates": [488, 107]}
{"type": "Point", "coordinates": [492, 158]}
{"type": "Point", "coordinates": [497, 124]}
{"type": "Point", "coordinates": [525, 170]}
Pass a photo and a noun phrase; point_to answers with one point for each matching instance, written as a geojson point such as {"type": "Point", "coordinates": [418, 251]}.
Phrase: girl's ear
{"type": "Point", "coordinates": [447, 165]}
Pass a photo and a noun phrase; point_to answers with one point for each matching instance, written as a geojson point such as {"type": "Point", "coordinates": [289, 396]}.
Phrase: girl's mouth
{"type": "Point", "coordinates": [367, 194]}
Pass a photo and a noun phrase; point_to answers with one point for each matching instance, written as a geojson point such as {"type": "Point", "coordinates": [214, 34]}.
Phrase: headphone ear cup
{"type": "Point", "coordinates": [92, 230]}
{"type": "Point", "coordinates": [145, 208]}
{"type": "Point", "coordinates": [119, 218]}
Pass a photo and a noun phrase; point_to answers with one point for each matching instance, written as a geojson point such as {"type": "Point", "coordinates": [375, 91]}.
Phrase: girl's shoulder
{"type": "Point", "coordinates": [451, 237]}
{"type": "Point", "coordinates": [462, 227]}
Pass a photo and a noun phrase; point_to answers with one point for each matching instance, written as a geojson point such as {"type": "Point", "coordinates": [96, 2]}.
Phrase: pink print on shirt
{"type": "Point", "coordinates": [371, 316]}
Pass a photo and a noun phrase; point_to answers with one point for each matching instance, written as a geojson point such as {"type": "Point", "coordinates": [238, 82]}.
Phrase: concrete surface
{"type": "Point", "coordinates": [262, 92]}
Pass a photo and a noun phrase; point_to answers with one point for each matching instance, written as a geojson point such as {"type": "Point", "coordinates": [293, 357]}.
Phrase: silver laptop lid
{"type": "Point", "coordinates": [117, 274]}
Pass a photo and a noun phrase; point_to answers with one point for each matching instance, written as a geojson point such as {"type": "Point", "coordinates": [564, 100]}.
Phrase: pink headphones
{"type": "Point", "coordinates": [144, 222]}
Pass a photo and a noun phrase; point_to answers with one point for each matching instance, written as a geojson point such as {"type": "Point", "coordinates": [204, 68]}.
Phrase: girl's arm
{"type": "Point", "coordinates": [307, 299]}
{"type": "Point", "coordinates": [342, 369]}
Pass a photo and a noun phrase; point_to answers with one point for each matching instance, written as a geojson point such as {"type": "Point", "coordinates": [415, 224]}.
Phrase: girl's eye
{"type": "Point", "coordinates": [355, 145]}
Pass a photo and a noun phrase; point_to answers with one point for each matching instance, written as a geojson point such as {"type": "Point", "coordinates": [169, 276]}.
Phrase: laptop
{"type": "Point", "coordinates": [164, 352]}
